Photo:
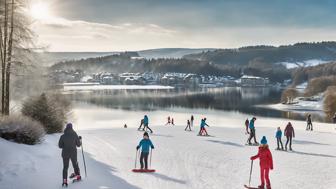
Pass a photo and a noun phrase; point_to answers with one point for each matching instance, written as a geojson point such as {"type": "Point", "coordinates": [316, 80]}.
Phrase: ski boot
{"type": "Point", "coordinates": [268, 186]}
{"type": "Point", "coordinates": [65, 183]}
{"type": "Point", "coordinates": [261, 187]}
{"type": "Point", "coordinates": [77, 178]}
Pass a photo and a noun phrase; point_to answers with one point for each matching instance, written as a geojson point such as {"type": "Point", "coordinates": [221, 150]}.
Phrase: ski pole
{"type": "Point", "coordinates": [150, 159]}
{"type": "Point", "coordinates": [250, 173]}
{"type": "Point", "coordinates": [84, 160]}
{"type": "Point", "coordinates": [136, 158]}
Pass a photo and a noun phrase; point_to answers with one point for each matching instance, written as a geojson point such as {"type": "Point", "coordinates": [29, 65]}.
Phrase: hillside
{"type": "Point", "coordinates": [170, 52]}
{"type": "Point", "coordinates": [299, 52]}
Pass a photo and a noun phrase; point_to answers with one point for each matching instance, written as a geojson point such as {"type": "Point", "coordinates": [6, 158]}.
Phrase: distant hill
{"type": "Point", "coordinates": [170, 52]}
{"type": "Point", "coordinates": [297, 53]}
{"type": "Point", "coordinates": [50, 58]}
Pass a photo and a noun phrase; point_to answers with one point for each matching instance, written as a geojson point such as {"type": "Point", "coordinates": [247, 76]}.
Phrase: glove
{"type": "Point", "coordinates": [251, 158]}
{"type": "Point", "coordinates": [80, 137]}
{"type": "Point", "coordinates": [137, 147]}
{"type": "Point", "coordinates": [271, 168]}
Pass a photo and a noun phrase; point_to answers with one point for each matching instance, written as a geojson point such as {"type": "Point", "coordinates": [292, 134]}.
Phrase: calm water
{"type": "Point", "coordinates": [228, 99]}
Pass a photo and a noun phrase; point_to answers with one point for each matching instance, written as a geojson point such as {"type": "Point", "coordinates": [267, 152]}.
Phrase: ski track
{"type": "Point", "coordinates": [181, 159]}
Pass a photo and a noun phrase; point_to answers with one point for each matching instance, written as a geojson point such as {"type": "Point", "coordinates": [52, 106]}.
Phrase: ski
{"type": "Point", "coordinates": [255, 144]}
{"type": "Point", "coordinates": [206, 135]}
{"type": "Point", "coordinates": [248, 187]}
{"type": "Point", "coordinates": [143, 170]}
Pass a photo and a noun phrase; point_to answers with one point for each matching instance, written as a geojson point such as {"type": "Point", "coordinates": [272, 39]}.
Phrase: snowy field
{"type": "Point", "coordinates": [181, 159]}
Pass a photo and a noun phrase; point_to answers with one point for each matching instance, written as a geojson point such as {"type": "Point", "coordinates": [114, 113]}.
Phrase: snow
{"type": "Point", "coordinates": [182, 159]}
{"type": "Point", "coordinates": [306, 63]}
{"type": "Point", "coordinates": [113, 87]}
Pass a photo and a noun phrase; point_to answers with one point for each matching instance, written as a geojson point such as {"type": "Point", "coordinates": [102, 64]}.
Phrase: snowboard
{"type": "Point", "coordinates": [143, 170]}
{"type": "Point", "coordinates": [248, 187]}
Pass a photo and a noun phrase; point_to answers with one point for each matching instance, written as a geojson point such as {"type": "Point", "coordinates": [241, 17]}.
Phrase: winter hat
{"type": "Point", "coordinates": [145, 134]}
{"type": "Point", "coordinates": [263, 140]}
{"type": "Point", "coordinates": [69, 125]}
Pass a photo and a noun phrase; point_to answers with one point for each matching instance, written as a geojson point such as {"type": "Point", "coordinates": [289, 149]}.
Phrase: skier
{"type": "Point", "coordinates": [278, 136]}
{"type": "Point", "coordinates": [172, 121]}
{"type": "Point", "coordinates": [334, 118]}
{"type": "Point", "coordinates": [146, 122]}
{"type": "Point", "coordinates": [192, 120]}
{"type": "Point", "coordinates": [266, 163]}
{"type": "Point", "coordinates": [68, 142]}
{"type": "Point", "coordinates": [289, 133]}
{"type": "Point", "coordinates": [247, 126]}
{"type": "Point", "coordinates": [252, 132]}
{"type": "Point", "coordinates": [188, 126]}
{"type": "Point", "coordinates": [202, 129]}
{"type": "Point", "coordinates": [145, 144]}
{"type": "Point", "coordinates": [141, 124]}
{"type": "Point", "coordinates": [168, 122]}
{"type": "Point", "coordinates": [309, 123]}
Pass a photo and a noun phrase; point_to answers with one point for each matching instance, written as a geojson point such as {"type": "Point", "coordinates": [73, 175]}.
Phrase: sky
{"type": "Point", "coordinates": [120, 25]}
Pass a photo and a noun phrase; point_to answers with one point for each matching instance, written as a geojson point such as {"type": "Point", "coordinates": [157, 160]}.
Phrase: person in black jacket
{"type": "Point", "coordinates": [69, 142]}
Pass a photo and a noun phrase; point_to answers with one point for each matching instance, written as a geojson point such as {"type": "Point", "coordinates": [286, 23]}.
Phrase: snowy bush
{"type": "Point", "coordinates": [21, 129]}
{"type": "Point", "coordinates": [330, 101]}
{"type": "Point", "coordinates": [288, 95]}
{"type": "Point", "coordinates": [51, 111]}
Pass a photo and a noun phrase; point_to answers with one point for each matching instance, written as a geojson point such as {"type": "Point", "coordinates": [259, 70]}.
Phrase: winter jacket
{"type": "Point", "coordinates": [145, 144]}
{"type": "Point", "coordinates": [289, 131]}
{"type": "Point", "coordinates": [145, 120]}
{"type": "Point", "coordinates": [68, 142]}
{"type": "Point", "coordinates": [251, 124]}
{"type": "Point", "coordinates": [278, 134]}
{"type": "Point", "coordinates": [203, 124]}
{"type": "Point", "coordinates": [265, 157]}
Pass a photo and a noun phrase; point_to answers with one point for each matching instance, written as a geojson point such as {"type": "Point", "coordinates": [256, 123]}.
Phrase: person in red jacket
{"type": "Point", "coordinates": [289, 133]}
{"type": "Point", "coordinates": [266, 163]}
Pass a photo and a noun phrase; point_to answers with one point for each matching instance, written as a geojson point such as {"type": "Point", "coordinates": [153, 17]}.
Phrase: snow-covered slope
{"type": "Point", "coordinates": [182, 159]}
{"type": "Point", "coordinates": [307, 63]}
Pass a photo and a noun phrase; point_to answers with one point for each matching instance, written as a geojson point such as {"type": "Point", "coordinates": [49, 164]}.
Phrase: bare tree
{"type": "Point", "coordinates": [15, 37]}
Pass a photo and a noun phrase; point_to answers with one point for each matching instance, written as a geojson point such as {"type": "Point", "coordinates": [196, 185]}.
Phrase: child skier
{"type": "Point", "coordinates": [202, 129]}
{"type": "Point", "coordinates": [145, 144]}
{"type": "Point", "coordinates": [247, 126]}
{"type": "Point", "coordinates": [188, 126]}
{"type": "Point", "coordinates": [252, 132]}
{"type": "Point", "coordinates": [68, 142]}
{"type": "Point", "coordinates": [172, 121]}
{"type": "Point", "coordinates": [168, 121]}
{"type": "Point", "coordinates": [289, 133]}
{"type": "Point", "coordinates": [146, 122]}
{"type": "Point", "coordinates": [192, 120]}
{"type": "Point", "coordinates": [266, 163]}
{"type": "Point", "coordinates": [278, 136]}
{"type": "Point", "coordinates": [309, 123]}
{"type": "Point", "coordinates": [141, 124]}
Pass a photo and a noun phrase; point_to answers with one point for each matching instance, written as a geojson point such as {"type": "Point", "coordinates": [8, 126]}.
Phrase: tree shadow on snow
{"type": "Point", "coordinates": [100, 175]}
{"type": "Point", "coordinates": [313, 154]}
{"type": "Point", "coordinates": [167, 178]}
{"type": "Point", "coordinates": [226, 143]}
{"type": "Point", "coordinates": [308, 142]}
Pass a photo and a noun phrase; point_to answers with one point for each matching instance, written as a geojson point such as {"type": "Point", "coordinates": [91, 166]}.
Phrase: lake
{"type": "Point", "coordinates": [216, 101]}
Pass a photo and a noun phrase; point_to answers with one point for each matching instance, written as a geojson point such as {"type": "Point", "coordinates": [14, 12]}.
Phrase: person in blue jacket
{"type": "Point", "coordinates": [252, 132]}
{"type": "Point", "coordinates": [202, 128]}
{"type": "Point", "coordinates": [146, 122]}
{"type": "Point", "coordinates": [145, 144]}
{"type": "Point", "coordinates": [278, 136]}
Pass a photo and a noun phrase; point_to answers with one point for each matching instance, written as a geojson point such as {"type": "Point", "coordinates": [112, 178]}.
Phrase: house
{"type": "Point", "coordinates": [253, 81]}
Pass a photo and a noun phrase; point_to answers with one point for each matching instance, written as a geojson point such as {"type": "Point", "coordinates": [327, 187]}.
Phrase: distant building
{"type": "Point", "coordinates": [253, 81]}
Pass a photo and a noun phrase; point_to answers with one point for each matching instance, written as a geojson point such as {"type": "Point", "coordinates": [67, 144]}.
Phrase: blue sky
{"type": "Point", "coordinates": [143, 24]}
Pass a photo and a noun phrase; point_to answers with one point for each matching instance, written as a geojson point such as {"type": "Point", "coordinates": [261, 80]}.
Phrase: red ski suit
{"type": "Point", "coordinates": [266, 163]}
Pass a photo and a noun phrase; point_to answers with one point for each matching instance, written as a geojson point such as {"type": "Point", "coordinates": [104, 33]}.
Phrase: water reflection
{"type": "Point", "coordinates": [227, 99]}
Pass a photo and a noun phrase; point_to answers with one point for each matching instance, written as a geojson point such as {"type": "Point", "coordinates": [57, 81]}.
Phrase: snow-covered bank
{"type": "Point", "coordinates": [182, 159]}
{"type": "Point", "coordinates": [113, 87]}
